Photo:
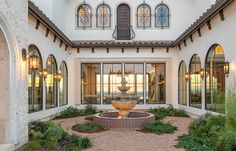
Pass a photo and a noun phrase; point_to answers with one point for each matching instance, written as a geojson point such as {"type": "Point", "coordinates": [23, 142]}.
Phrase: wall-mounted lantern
{"type": "Point", "coordinates": [226, 68]}
{"type": "Point", "coordinates": [202, 73]}
{"type": "Point", "coordinates": [187, 76]}
{"type": "Point", "coordinates": [34, 60]}
{"type": "Point", "coordinates": [44, 73]}
{"type": "Point", "coordinates": [58, 76]}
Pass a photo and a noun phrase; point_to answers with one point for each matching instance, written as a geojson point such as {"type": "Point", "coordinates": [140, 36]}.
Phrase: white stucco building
{"type": "Point", "coordinates": [60, 53]}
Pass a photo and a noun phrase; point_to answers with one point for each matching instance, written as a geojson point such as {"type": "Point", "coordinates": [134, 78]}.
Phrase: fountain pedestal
{"type": "Point", "coordinates": [124, 107]}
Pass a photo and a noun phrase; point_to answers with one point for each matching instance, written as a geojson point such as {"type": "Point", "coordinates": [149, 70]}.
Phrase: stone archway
{"type": "Point", "coordinates": [4, 90]}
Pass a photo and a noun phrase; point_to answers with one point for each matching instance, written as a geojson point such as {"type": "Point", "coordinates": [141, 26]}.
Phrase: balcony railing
{"type": "Point", "coordinates": [129, 35]}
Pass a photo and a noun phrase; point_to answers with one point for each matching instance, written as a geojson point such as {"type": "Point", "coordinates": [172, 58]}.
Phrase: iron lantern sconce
{"type": "Point", "coordinates": [187, 76]}
{"type": "Point", "coordinates": [58, 77]}
{"type": "Point", "coordinates": [226, 68]}
{"type": "Point", "coordinates": [34, 60]}
{"type": "Point", "coordinates": [44, 73]}
{"type": "Point", "coordinates": [202, 73]}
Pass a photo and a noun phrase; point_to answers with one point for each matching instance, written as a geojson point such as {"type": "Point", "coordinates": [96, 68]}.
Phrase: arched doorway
{"type": "Point", "coordinates": [4, 90]}
{"type": "Point", "coordinates": [123, 22]}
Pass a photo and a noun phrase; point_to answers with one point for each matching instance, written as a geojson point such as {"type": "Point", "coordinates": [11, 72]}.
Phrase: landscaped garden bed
{"type": "Point", "coordinates": [212, 132]}
{"type": "Point", "coordinates": [162, 112]}
{"type": "Point", "coordinates": [71, 112]}
{"type": "Point", "coordinates": [49, 136]}
{"type": "Point", "coordinates": [158, 127]}
{"type": "Point", "coordinates": [89, 127]}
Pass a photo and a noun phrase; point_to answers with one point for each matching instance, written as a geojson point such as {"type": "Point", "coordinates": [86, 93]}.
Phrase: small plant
{"type": "Point", "coordinates": [89, 128]}
{"type": "Point", "coordinates": [162, 112]}
{"type": "Point", "coordinates": [44, 135]}
{"type": "Point", "coordinates": [71, 112]}
{"type": "Point", "coordinates": [158, 127]}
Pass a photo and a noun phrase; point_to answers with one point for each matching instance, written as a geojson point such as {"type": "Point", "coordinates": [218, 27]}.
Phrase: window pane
{"type": "Point", "coordinates": [155, 83]}
{"type": "Point", "coordinates": [182, 84]}
{"type": "Point", "coordinates": [91, 83]}
{"type": "Point", "coordinates": [162, 16]}
{"type": "Point", "coordinates": [35, 83]}
{"type": "Point", "coordinates": [195, 83]}
{"type": "Point", "coordinates": [112, 77]}
{"type": "Point", "coordinates": [51, 83]}
{"type": "Point", "coordinates": [103, 16]}
{"type": "Point", "coordinates": [84, 16]}
{"type": "Point", "coordinates": [134, 77]}
{"type": "Point", "coordinates": [144, 16]}
{"type": "Point", "coordinates": [215, 80]}
{"type": "Point", "coordinates": [63, 85]}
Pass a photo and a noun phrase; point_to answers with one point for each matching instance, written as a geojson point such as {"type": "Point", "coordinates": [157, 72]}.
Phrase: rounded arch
{"type": "Point", "coordinates": [9, 120]}
{"type": "Point", "coordinates": [182, 83]}
{"type": "Point", "coordinates": [195, 82]}
{"type": "Point", "coordinates": [51, 82]}
{"type": "Point", "coordinates": [34, 47]}
{"type": "Point", "coordinates": [115, 12]}
{"type": "Point", "coordinates": [162, 16]}
{"type": "Point", "coordinates": [35, 81]}
{"type": "Point", "coordinates": [144, 12]}
{"type": "Point", "coordinates": [63, 86]}
{"type": "Point", "coordinates": [215, 79]}
{"type": "Point", "coordinates": [103, 16]}
{"type": "Point", "coordinates": [84, 15]}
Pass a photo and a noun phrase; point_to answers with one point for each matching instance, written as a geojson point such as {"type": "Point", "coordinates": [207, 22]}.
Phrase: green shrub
{"type": "Point", "coordinates": [192, 143]}
{"type": "Point", "coordinates": [76, 142]}
{"type": "Point", "coordinates": [208, 133]}
{"type": "Point", "coordinates": [34, 145]}
{"type": "Point", "coordinates": [170, 111]}
{"type": "Point", "coordinates": [226, 141]}
{"type": "Point", "coordinates": [158, 127]}
{"type": "Point", "coordinates": [46, 135]}
{"type": "Point", "coordinates": [75, 112]}
{"type": "Point", "coordinates": [89, 127]}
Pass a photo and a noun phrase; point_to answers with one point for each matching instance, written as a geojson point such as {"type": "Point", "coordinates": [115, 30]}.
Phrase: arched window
{"type": "Point", "coordinates": [63, 86]}
{"type": "Point", "coordinates": [162, 16]}
{"type": "Point", "coordinates": [84, 16]}
{"type": "Point", "coordinates": [182, 84]}
{"type": "Point", "coordinates": [215, 79]}
{"type": "Point", "coordinates": [51, 82]}
{"type": "Point", "coordinates": [103, 16]}
{"type": "Point", "coordinates": [195, 80]}
{"type": "Point", "coordinates": [35, 80]}
{"type": "Point", "coordinates": [144, 16]}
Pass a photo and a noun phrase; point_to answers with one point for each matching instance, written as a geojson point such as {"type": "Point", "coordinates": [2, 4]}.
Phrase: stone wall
{"type": "Point", "coordinates": [14, 22]}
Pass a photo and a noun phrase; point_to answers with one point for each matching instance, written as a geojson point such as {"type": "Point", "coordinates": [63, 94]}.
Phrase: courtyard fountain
{"type": "Point", "coordinates": [124, 118]}
{"type": "Point", "coordinates": [124, 105]}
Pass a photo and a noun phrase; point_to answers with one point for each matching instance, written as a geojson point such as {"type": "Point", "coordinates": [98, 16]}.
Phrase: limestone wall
{"type": "Point", "coordinates": [13, 23]}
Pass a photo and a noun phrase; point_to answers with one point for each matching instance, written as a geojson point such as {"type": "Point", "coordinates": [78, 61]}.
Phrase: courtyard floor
{"type": "Point", "coordinates": [130, 140]}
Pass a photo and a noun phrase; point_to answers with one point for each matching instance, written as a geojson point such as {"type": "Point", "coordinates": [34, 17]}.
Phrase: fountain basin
{"type": "Point", "coordinates": [124, 107]}
{"type": "Point", "coordinates": [135, 120]}
{"type": "Point", "coordinates": [123, 89]}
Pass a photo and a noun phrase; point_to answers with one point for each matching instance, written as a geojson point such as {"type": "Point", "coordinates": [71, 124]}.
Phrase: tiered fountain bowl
{"type": "Point", "coordinates": [125, 118]}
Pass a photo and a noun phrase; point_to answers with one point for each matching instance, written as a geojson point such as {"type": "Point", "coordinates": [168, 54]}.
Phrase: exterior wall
{"type": "Point", "coordinates": [13, 23]}
{"type": "Point", "coordinates": [222, 33]}
{"type": "Point", "coordinates": [66, 20]}
{"type": "Point", "coordinates": [130, 55]}
{"type": "Point", "coordinates": [46, 47]}
{"type": "Point", "coordinates": [177, 11]}
{"type": "Point", "coordinates": [46, 6]}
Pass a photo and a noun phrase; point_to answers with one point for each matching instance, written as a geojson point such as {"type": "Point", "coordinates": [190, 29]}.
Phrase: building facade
{"type": "Point", "coordinates": [64, 53]}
